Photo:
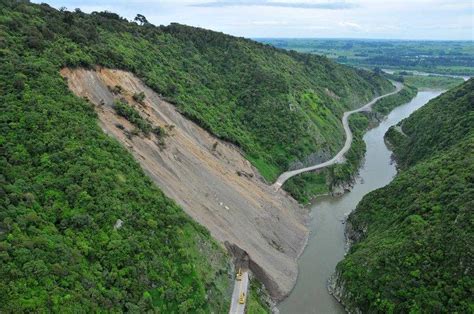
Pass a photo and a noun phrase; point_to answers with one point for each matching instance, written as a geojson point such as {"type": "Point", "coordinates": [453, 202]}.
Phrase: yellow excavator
{"type": "Point", "coordinates": [239, 275]}
{"type": "Point", "coordinates": [242, 298]}
{"type": "Point", "coordinates": [242, 294]}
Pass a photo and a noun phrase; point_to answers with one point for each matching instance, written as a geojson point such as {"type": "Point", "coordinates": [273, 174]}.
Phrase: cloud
{"type": "Point", "coordinates": [391, 19]}
{"type": "Point", "coordinates": [335, 5]}
{"type": "Point", "coordinates": [350, 25]}
{"type": "Point", "coordinates": [269, 23]}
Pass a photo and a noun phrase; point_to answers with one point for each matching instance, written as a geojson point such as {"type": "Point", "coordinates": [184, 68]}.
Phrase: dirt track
{"type": "Point", "coordinates": [213, 182]}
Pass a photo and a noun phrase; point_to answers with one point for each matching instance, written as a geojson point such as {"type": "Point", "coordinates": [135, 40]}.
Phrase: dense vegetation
{"type": "Point", "coordinates": [255, 301]}
{"type": "Point", "coordinates": [306, 186]}
{"type": "Point", "coordinates": [413, 249]}
{"type": "Point", "coordinates": [435, 127]}
{"type": "Point", "coordinates": [387, 104]}
{"type": "Point", "coordinates": [82, 229]}
{"type": "Point", "coordinates": [131, 114]}
{"type": "Point", "coordinates": [447, 57]}
{"type": "Point", "coordinates": [279, 106]}
{"type": "Point", "coordinates": [429, 81]}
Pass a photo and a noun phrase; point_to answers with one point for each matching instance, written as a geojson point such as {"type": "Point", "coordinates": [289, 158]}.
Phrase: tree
{"type": "Point", "coordinates": [139, 97]}
{"type": "Point", "coordinates": [141, 19]}
{"type": "Point", "coordinates": [377, 70]}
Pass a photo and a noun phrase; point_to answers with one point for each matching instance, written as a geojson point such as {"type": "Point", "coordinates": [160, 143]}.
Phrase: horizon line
{"type": "Point", "coordinates": [359, 38]}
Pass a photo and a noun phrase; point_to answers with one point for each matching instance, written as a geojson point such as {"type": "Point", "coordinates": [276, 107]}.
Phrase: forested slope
{"type": "Point", "coordinates": [413, 238]}
{"type": "Point", "coordinates": [435, 128]}
{"type": "Point", "coordinates": [278, 106]}
{"type": "Point", "coordinates": [306, 186]}
{"type": "Point", "coordinates": [65, 186]}
{"type": "Point", "coordinates": [82, 229]}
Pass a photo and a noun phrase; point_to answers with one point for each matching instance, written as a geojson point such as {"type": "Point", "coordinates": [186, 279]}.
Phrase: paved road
{"type": "Point", "coordinates": [239, 287]}
{"type": "Point", "coordinates": [340, 155]}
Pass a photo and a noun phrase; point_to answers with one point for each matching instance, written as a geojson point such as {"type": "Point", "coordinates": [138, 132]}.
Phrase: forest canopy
{"type": "Point", "coordinates": [278, 106]}
{"type": "Point", "coordinates": [413, 238]}
{"type": "Point", "coordinates": [82, 229]}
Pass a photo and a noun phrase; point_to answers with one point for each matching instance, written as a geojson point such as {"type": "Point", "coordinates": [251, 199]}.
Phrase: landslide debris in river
{"type": "Point", "coordinates": [209, 178]}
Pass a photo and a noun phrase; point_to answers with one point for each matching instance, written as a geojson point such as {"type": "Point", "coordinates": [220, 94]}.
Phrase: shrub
{"type": "Point", "coordinates": [133, 116]}
{"type": "Point", "coordinates": [139, 97]}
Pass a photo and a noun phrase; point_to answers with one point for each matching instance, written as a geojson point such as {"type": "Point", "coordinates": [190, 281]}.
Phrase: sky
{"type": "Point", "coordinates": [381, 19]}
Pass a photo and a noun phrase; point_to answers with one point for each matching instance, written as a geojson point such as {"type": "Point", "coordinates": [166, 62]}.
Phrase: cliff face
{"type": "Point", "coordinates": [336, 283]}
{"type": "Point", "coordinates": [208, 178]}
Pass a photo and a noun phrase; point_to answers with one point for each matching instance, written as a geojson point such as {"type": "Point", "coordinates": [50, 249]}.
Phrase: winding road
{"type": "Point", "coordinates": [241, 286]}
{"type": "Point", "coordinates": [339, 158]}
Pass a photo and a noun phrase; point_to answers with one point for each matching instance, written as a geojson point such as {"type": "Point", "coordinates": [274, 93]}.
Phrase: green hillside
{"type": "Point", "coordinates": [413, 238]}
{"type": "Point", "coordinates": [278, 106]}
{"type": "Point", "coordinates": [306, 186]}
{"type": "Point", "coordinates": [436, 128]}
{"type": "Point", "coordinates": [65, 186]}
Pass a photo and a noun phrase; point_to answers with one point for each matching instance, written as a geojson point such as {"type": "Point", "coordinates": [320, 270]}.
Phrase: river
{"type": "Point", "coordinates": [326, 243]}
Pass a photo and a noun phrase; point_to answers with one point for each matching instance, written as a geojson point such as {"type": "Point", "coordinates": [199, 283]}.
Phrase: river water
{"type": "Point", "coordinates": [326, 243]}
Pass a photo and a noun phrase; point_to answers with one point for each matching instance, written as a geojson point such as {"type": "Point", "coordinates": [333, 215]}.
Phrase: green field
{"type": "Point", "coordinates": [429, 81]}
{"type": "Point", "coordinates": [446, 57]}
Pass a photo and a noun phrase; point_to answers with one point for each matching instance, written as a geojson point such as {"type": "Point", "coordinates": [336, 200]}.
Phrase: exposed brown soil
{"type": "Point", "coordinates": [213, 183]}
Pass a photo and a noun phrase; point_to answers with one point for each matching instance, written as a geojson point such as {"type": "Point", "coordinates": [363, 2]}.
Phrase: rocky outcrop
{"type": "Point", "coordinates": [343, 187]}
{"type": "Point", "coordinates": [353, 234]}
{"type": "Point", "coordinates": [336, 285]}
{"type": "Point", "coordinates": [207, 177]}
{"type": "Point", "coordinates": [312, 159]}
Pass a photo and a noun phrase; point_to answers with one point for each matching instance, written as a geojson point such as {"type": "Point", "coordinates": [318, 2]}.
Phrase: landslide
{"type": "Point", "coordinates": [278, 106]}
{"type": "Point", "coordinates": [209, 178]}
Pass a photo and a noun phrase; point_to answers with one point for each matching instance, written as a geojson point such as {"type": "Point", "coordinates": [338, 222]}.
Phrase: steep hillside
{"type": "Point", "coordinates": [337, 178]}
{"type": "Point", "coordinates": [413, 238]}
{"type": "Point", "coordinates": [306, 94]}
{"type": "Point", "coordinates": [278, 106]}
{"type": "Point", "coordinates": [209, 178]}
{"type": "Point", "coordinates": [81, 226]}
{"type": "Point", "coordinates": [435, 128]}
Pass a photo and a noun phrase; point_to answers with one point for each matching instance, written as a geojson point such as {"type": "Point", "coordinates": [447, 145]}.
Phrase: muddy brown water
{"type": "Point", "coordinates": [326, 245]}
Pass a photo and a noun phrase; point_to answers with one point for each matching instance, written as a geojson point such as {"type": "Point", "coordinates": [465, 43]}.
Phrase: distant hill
{"type": "Point", "coordinates": [413, 238]}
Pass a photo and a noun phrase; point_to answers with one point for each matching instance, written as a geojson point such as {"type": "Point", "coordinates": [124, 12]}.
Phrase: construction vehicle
{"type": "Point", "coordinates": [239, 275]}
{"type": "Point", "coordinates": [242, 298]}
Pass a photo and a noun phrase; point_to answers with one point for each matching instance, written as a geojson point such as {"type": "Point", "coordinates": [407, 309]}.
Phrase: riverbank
{"type": "Point", "coordinates": [412, 238]}
{"type": "Point", "coordinates": [326, 246]}
{"type": "Point", "coordinates": [339, 178]}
